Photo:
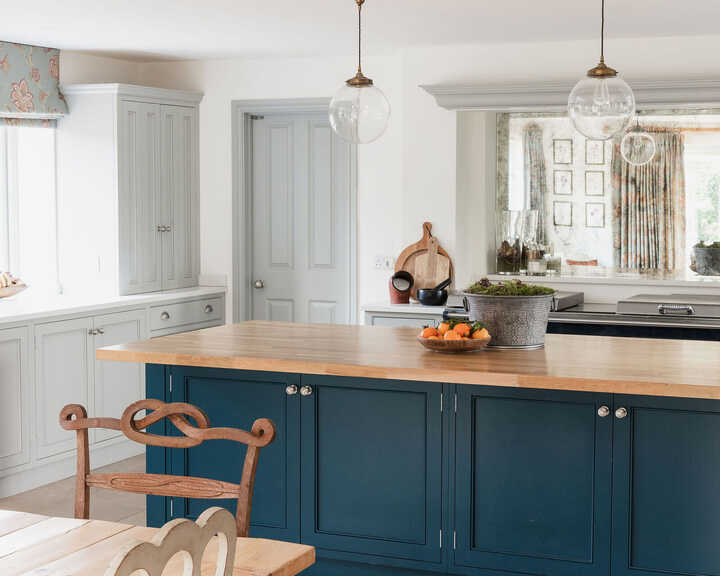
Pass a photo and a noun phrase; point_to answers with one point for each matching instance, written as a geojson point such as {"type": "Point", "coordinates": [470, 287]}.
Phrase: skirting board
{"type": "Point", "coordinates": [41, 473]}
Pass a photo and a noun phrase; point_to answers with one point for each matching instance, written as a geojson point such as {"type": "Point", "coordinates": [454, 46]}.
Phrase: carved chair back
{"type": "Point", "coordinates": [74, 417]}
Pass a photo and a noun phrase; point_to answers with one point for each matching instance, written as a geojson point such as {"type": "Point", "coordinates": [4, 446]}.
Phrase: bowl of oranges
{"type": "Point", "coordinates": [455, 336]}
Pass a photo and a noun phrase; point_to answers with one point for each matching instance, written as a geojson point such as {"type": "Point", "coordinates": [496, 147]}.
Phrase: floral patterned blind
{"type": "Point", "coordinates": [29, 85]}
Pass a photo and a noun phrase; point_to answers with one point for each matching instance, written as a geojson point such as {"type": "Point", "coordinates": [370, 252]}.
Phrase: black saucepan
{"type": "Point", "coordinates": [434, 296]}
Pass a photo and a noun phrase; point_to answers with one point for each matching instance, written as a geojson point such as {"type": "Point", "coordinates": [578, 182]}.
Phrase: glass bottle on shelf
{"type": "Point", "coordinates": [509, 241]}
{"type": "Point", "coordinates": [529, 237]}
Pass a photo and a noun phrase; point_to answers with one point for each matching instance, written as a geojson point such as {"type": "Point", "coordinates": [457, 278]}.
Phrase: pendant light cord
{"type": "Point", "coordinates": [602, 33]}
{"type": "Point", "coordinates": [360, 5]}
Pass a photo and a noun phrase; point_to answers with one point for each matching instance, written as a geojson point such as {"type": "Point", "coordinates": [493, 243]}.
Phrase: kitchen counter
{"type": "Point", "coordinates": [686, 369]}
{"type": "Point", "coordinates": [31, 305]}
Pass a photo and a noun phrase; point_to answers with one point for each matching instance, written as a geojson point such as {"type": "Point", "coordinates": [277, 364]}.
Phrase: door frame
{"type": "Point", "coordinates": [242, 112]}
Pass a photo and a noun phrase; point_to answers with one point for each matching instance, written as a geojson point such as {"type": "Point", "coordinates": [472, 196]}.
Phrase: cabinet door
{"type": "Point", "coordinates": [236, 399]}
{"type": "Point", "coordinates": [117, 384]}
{"type": "Point", "coordinates": [139, 197]}
{"type": "Point", "coordinates": [666, 467]}
{"type": "Point", "coordinates": [15, 386]}
{"type": "Point", "coordinates": [532, 481]}
{"type": "Point", "coordinates": [372, 469]}
{"type": "Point", "coordinates": [179, 185]}
{"type": "Point", "coordinates": [63, 365]}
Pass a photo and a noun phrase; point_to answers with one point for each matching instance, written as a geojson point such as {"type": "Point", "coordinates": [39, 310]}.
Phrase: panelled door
{"type": "Point", "coordinates": [139, 181]}
{"type": "Point", "coordinates": [64, 357]}
{"type": "Point", "coordinates": [532, 481]}
{"type": "Point", "coordinates": [666, 474]}
{"type": "Point", "coordinates": [301, 220]}
{"type": "Point", "coordinates": [117, 384]}
{"type": "Point", "coordinates": [179, 213]}
{"type": "Point", "coordinates": [15, 385]}
{"type": "Point", "coordinates": [372, 469]}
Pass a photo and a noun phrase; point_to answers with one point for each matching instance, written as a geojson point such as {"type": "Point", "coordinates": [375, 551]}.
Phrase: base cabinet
{"type": "Point", "coordinates": [532, 481]}
{"type": "Point", "coordinates": [15, 383]}
{"type": "Point", "coordinates": [666, 509]}
{"type": "Point", "coordinates": [384, 477]}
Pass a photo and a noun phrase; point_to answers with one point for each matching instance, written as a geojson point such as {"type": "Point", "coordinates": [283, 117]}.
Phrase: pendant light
{"type": "Point", "coordinates": [637, 146]}
{"type": "Point", "coordinates": [359, 112]}
{"type": "Point", "coordinates": [602, 104]}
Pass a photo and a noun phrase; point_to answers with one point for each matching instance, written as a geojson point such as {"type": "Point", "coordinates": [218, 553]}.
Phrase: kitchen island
{"type": "Point", "coordinates": [593, 456]}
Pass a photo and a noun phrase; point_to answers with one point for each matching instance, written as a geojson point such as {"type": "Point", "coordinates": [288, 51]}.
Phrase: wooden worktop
{"type": "Point", "coordinates": [680, 368]}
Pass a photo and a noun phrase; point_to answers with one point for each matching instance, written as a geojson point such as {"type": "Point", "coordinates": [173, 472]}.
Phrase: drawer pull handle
{"type": "Point", "coordinates": [306, 390]}
{"type": "Point", "coordinates": [669, 309]}
{"type": "Point", "coordinates": [165, 316]}
{"type": "Point", "coordinates": [208, 309]}
{"type": "Point", "coordinates": [620, 413]}
{"type": "Point", "coordinates": [603, 411]}
{"type": "Point", "coordinates": [291, 390]}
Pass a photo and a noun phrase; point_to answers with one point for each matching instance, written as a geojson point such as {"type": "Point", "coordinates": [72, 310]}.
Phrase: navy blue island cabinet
{"type": "Point", "coordinates": [394, 477]}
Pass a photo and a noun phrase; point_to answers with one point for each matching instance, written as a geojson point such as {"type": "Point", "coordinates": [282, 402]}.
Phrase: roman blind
{"type": "Point", "coordinates": [29, 85]}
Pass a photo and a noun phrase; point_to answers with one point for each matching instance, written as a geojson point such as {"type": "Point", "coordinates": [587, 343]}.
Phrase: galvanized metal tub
{"type": "Point", "coordinates": [513, 321]}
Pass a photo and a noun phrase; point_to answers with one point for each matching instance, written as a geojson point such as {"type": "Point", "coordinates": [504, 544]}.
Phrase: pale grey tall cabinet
{"type": "Point", "coordinates": [128, 189]}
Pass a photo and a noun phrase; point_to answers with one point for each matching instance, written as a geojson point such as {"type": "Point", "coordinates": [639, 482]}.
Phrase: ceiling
{"type": "Point", "coordinates": [172, 29]}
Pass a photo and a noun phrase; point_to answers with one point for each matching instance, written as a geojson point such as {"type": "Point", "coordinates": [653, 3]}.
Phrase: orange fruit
{"type": "Point", "coordinates": [462, 329]}
{"type": "Point", "coordinates": [452, 335]}
{"type": "Point", "coordinates": [442, 328]}
{"type": "Point", "coordinates": [480, 334]}
{"type": "Point", "coordinates": [428, 331]}
{"type": "Point", "coordinates": [433, 337]}
{"type": "Point", "coordinates": [466, 338]}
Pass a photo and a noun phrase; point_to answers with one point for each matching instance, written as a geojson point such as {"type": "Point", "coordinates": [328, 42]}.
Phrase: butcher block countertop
{"type": "Point", "coordinates": [679, 368]}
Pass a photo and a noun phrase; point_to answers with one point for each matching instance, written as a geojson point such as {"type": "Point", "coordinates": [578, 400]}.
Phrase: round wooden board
{"type": "Point", "coordinates": [426, 260]}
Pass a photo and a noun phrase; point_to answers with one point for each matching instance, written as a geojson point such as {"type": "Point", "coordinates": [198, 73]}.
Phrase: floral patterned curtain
{"type": "Point", "coordinates": [534, 175]}
{"type": "Point", "coordinates": [649, 207]}
{"type": "Point", "coordinates": [29, 89]}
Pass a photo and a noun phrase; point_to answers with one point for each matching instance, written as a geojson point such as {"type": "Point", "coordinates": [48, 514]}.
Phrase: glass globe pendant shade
{"type": "Point", "coordinates": [359, 113]}
{"type": "Point", "coordinates": [601, 106]}
{"type": "Point", "coordinates": [637, 147]}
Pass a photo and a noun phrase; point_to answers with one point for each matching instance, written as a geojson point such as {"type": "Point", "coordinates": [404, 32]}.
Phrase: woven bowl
{"type": "Point", "coordinates": [454, 346]}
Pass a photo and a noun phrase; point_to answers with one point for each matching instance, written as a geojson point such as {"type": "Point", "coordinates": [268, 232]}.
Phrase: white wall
{"type": "Point", "coordinates": [410, 175]}
{"type": "Point", "coordinates": [80, 67]}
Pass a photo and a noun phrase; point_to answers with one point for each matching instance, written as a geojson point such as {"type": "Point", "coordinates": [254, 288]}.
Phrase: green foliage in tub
{"type": "Point", "coordinates": [508, 288]}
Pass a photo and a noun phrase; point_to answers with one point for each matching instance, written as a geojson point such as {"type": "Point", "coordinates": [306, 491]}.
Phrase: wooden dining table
{"type": "Point", "coordinates": [35, 545]}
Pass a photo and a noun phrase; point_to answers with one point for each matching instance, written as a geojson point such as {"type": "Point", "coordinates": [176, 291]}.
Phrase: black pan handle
{"type": "Point", "coordinates": [444, 284]}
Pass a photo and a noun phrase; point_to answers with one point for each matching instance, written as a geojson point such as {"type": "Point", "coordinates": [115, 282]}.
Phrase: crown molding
{"type": "Point", "coordinates": [552, 96]}
{"type": "Point", "coordinates": [147, 93]}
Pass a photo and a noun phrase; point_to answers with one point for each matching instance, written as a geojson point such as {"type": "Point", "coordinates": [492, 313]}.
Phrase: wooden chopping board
{"type": "Point", "coordinates": [426, 260]}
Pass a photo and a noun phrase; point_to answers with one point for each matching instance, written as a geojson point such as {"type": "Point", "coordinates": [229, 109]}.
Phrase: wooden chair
{"type": "Point", "coordinates": [74, 417]}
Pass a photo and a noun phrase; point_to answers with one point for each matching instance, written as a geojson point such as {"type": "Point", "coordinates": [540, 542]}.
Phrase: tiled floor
{"type": "Point", "coordinates": [57, 499]}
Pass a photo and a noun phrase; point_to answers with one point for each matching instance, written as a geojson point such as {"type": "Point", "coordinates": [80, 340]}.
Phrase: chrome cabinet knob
{"type": "Point", "coordinates": [603, 411]}
{"type": "Point", "coordinates": [208, 309]}
{"type": "Point", "coordinates": [160, 228]}
{"type": "Point", "coordinates": [165, 316]}
{"type": "Point", "coordinates": [99, 331]}
{"type": "Point", "coordinates": [291, 390]}
{"type": "Point", "coordinates": [306, 390]}
{"type": "Point", "coordinates": [620, 413]}
{"type": "Point", "coordinates": [259, 284]}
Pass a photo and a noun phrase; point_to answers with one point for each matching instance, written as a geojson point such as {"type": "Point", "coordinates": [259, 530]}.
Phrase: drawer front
{"type": "Point", "coordinates": [405, 321]}
{"type": "Point", "coordinates": [183, 313]}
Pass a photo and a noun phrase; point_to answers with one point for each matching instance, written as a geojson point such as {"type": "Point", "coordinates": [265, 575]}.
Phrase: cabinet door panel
{"type": "Point", "coordinates": [139, 181]}
{"type": "Point", "coordinates": [179, 196]}
{"type": "Point", "coordinates": [117, 384]}
{"type": "Point", "coordinates": [666, 512]}
{"type": "Point", "coordinates": [63, 361]}
{"type": "Point", "coordinates": [237, 399]}
{"type": "Point", "coordinates": [372, 467]}
{"type": "Point", "coordinates": [15, 386]}
{"type": "Point", "coordinates": [532, 481]}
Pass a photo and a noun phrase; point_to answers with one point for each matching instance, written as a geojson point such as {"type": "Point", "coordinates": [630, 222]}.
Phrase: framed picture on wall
{"type": "Point", "coordinates": [563, 182]}
{"type": "Point", "coordinates": [595, 152]}
{"type": "Point", "coordinates": [594, 215]}
{"type": "Point", "coordinates": [594, 183]}
{"type": "Point", "coordinates": [562, 151]}
{"type": "Point", "coordinates": [562, 213]}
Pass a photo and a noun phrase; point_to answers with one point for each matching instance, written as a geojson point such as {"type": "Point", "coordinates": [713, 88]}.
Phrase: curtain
{"type": "Point", "coordinates": [534, 175]}
{"type": "Point", "coordinates": [649, 207]}
{"type": "Point", "coordinates": [29, 85]}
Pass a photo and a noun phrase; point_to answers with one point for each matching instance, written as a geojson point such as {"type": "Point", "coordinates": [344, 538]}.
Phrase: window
{"type": "Point", "coordinates": [28, 205]}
